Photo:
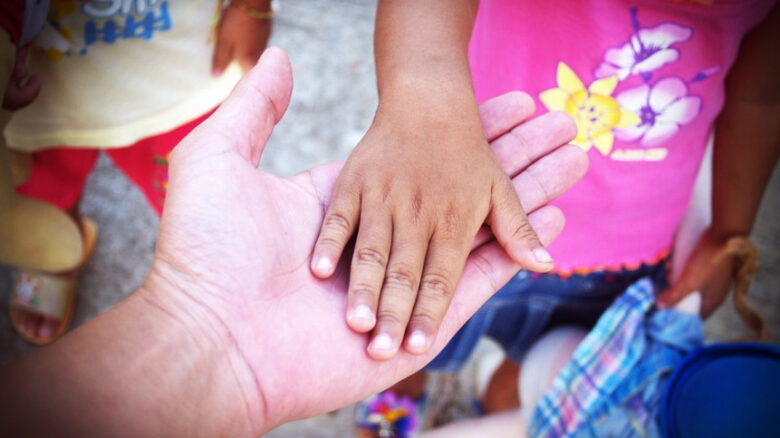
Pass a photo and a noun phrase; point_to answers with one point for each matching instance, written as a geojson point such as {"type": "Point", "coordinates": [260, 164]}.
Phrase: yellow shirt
{"type": "Point", "coordinates": [117, 71]}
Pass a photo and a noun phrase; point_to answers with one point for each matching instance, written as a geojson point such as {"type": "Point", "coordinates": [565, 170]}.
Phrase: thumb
{"type": "Point", "coordinates": [256, 104]}
{"type": "Point", "coordinates": [510, 225]}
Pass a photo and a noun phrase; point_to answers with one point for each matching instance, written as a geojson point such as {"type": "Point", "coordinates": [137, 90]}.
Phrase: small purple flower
{"type": "Point", "coordinates": [389, 413]}
{"type": "Point", "coordinates": [663, 108]}
{"type": "Point", "coordinates": [647, 50]}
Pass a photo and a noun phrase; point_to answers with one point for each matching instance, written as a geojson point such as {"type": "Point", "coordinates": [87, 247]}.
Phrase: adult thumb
{"type": "Point", "coordinates": [248, 116]}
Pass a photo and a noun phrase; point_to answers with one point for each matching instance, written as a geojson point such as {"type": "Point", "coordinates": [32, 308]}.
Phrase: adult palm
{"type": "Point", "coordinates": [239, 239]}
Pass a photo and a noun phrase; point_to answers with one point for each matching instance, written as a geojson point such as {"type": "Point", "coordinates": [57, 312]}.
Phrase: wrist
{"type": "Point", "coordinates": [721, 232]}
{"type": "Point", "coordinates": [414, 107]}
{"type": "Point", "coordinates": [216, 376]}
{"type": "Point", "coordinates": [412, 92]}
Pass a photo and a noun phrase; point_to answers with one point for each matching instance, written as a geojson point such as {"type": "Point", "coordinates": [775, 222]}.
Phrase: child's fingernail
{"type": "Point", "coordinates": [363, 315]}
{"type": "Point", "coordinates": [217, 72]}
{"type": "Point", "coordinates": [542, 256]}
{"type": "Point", "coordinates": [417, 340]}
{"type": "Point", "coordinates": [382, 344]}
{"type": "Point", "coordinates": [323, 265]}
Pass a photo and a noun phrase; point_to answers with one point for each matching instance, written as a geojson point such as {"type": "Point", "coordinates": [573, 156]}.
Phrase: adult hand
{"type": "Point", "coordinates": [231, 335]}
{"type": "Point", "coordinates": [234, 245]}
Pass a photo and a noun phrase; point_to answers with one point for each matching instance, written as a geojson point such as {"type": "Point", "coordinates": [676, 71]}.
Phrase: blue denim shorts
{"type": "Point", "coordinates": [530, 304]}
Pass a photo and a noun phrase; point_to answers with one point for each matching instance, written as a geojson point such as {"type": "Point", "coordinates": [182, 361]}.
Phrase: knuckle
{"type": "Point", "coordinates": [520, 139]}
{"type": "Point", "coordinates": [417, 202]}
{"type": "Point", "coordinates": [337, 222]}
{"type": "Point", "coordinates": [424, 319]}
{"type": "Point", "coordinates": [565, 122]}
{"type": "Point", "coordinates": [364, 290]}
{"type": "Point", "coordinates": [451, 221]}
{"type": "Point", "coordinates": [387, 190]}
{"type": "Point", "coordinates": [371, 256]}
{"type": "Point", "coordinates": [523, 230]}
{"type": "Point", "coordinates": [437, 285]}
{"type": "Point", "coordinates": [389, 318]}
{"type": "Point", "coordinates": [400, 278]}
{"type": "Point", "coordinates": [487, 269]}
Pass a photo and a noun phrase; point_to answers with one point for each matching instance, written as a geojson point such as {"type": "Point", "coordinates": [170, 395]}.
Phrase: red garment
{"type": "Point", "coordinates": [11, 16]}
{"type": "Point", "coordinates": [59, 174]}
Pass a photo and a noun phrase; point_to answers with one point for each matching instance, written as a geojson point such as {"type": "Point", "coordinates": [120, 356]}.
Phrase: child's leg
{"type": "Point", "coordinates": [501, 392]}
{"type": "Point", "coordinates": [543, 362]}
{"type": "Point", "coordinates": [58, 176]}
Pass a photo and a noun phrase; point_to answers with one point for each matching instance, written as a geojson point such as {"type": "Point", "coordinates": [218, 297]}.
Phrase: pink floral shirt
{"type": "Point", "coordinates": [644, 81]}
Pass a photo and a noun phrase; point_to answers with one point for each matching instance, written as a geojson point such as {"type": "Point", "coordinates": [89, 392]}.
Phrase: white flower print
{"type": "Point", "coordinates": [647, 50]}
{"type": "Point", "coordinates": [663, 108]}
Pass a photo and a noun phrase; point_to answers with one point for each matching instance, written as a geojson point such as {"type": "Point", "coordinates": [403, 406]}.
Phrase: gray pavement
{"type": "Point", "coordinates": [330, 46]}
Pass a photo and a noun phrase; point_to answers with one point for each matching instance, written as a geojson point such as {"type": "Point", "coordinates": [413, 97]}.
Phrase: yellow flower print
{"type": "Point", "coordinates": [593, 109]}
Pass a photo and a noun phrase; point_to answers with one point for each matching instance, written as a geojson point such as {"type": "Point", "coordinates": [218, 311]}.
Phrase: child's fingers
{"type": "Point", "coordinates": [545, 180]}
{"type": "Point", "coordinates": [402, 280]}
{"type": "Point", "coordinates": [526, 143]}
{"type": "Point", "coordinates": [372, 250]}
{"type": "Point", "coordinates": [512, 230]}
{"type": "Point", "coordinates": [247, 57]}
{"type": "Point", "coordinates": [223, 54]}
{"type": "Point", "coordinates": [338, 225]}
{"type": "Point", "coordinates": [539, 184]}
{"type": "Point", "coordinates": [443, 267]}
{"type": "Point", "coordinates": [548, 222]}
{"type": "Point", "coordinates": [18, 97]}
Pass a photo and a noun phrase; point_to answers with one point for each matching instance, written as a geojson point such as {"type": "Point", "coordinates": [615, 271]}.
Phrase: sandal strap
{"type": "Point", "coordinates": [42, 293]}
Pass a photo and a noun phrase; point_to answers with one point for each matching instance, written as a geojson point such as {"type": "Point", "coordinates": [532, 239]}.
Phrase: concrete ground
{"type": "Point", "coordinates": [330, 46]}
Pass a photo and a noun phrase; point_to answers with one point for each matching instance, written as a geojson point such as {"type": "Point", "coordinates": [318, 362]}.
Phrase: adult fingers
{"type": "Point", "coordinates": [544, 181]}
{"type": "Point", "coordinates": [550, 177]}
{"type": "Point", "coordinates": [532, 140]}
{"type": "Point", "coordinates": [501, 114]}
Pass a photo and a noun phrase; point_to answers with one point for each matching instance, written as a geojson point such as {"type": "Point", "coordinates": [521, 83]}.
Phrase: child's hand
{"type": "Point", "coordinates": [705, 273]}
{"type": "Point", "coordinates": [419, 191]}
{"type": "Point", "coordinates": [21, 89]}
{"type": "Point", "coordinates": [241, 37]}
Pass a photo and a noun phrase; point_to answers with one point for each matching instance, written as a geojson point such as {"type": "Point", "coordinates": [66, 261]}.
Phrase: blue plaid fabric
{"type": "Point", "coordinates": [613, 385]}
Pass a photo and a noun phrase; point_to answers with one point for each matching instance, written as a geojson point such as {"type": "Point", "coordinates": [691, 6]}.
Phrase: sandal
{"type": "Point", "coordinates": [49, 295]}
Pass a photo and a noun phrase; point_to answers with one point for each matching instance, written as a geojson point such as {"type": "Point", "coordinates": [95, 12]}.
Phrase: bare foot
{"type": "Point", "coordinates": [34, 325]}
